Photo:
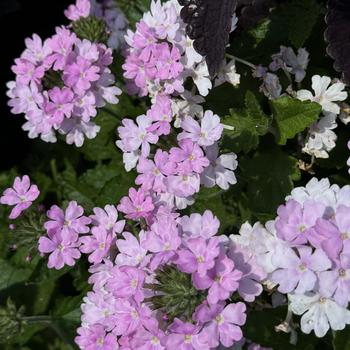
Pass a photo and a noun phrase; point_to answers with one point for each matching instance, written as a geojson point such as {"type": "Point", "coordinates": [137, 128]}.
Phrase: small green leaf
{"type": "Point", "coordinates": [248, 125]}
{"type": "Point", "coordinates": [293, 116]}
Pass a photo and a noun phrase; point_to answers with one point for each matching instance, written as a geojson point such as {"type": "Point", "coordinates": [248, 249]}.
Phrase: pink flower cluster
{"type": "Point", "coordinates": [176, 174]}
{"type": "Point", "coordinates": [120, 313]}
{"type": "Point", "coordinates": [306, 254]}
{"type": "Point", "coordinates": [21, 196]}
{"type": "Point", "coordinates": [69, 234]}
{"type": "Point", "coordinates": [60, 84]}
{"type": "Point", "coordinates": [108, 11]}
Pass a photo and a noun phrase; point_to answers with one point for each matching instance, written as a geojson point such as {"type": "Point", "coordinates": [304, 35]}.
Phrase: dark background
{"type": "Point", "coordinates": [19, 19]}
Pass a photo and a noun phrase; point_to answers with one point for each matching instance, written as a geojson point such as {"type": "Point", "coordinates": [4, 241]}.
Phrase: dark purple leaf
{"type": "Point", "coordinates": [209, 25]}
{"type": "Point", "coordinates": [338, 36]}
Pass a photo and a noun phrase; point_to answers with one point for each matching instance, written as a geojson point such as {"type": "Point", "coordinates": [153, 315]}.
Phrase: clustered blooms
{"type": "Point", "coordinates": [321, 137]}
{"type": "Point", "coordinates": [108, 11]}
{"type": "Point", "coordinates": [21, 196]}
{"type": "Point", "coordinates": [69, 234]}
{"type": "Point", "coordinates": [159, 59]}
{"type": "Point", "coordinates": [176, 174]}
{"type": "Point", "coordinates": [168, 287]}
{"type": "Point", "coordinates": [161, 56]}
{"type": "Point", "coordinates": [306, 254]}
{"type": "Point", "coordinates": [60, 83]}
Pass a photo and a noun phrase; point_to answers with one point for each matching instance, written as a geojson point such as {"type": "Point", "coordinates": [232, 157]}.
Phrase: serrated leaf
{"type": "Point", "coordinates": [11, 275]}
{"type": "Point", "coordinates": [303, 15]}
{"type": "Point", "coordinates": [248, 125]}
{"type": "Point", "coordinates": [293, 116]}
{"type": "Point", "coordinates": [98, 176]}
{"type": "Point", "coordinates": [115, 189]}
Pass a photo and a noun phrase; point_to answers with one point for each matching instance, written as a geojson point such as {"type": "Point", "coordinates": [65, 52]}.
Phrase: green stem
{"type": "Point", "coordinates": [249, 64]}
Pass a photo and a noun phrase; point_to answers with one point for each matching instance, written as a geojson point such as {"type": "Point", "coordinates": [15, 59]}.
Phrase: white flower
{"type": "Point", "coordinates": [191, 56]}
{"type": "Point", "coordinates": [261, 241]}
{"type": "Point", "coordinates": [228, 74]}
{"type": "Point", "coordinates": [201, 78]}
{"type": "Point", "coordinates": [314, 190]}
{"type": "Point", "coordinates": [319, 313]}
{"type": "Point", "coordinates": [220, 171]}
{"type": "Point", "coordinates": [321, 138]}
{"type": "Point", "coordinates": [325, 95]}
{"type": "Point", "coordinates": [187, 105]}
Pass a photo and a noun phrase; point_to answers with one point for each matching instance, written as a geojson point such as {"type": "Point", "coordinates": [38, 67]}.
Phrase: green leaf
{"type": "Point", "coordinates": [248, 125]}
{"type": "Point", "coordinates": [115, 189]}
{"type": "Point", "coordinates": [303, 15]}
{"type": "Point", "coordinates": [135, 9]}
{"type": "Point", "coordinates": [293, 116]}
{"type": "Point", "coordinates": [341, 340]}
{"type": "Point", "coordinates": [98, 176]}
{"type": "Point", "coordinates": [269, 177]}
{"type": "Point", "coordinates": [11, 275]}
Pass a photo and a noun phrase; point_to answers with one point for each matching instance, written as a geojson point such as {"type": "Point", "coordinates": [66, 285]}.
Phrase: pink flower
{"type": "Point", "coordinates": [126, 282]}
{"type": "Point", "coordinates": [61, 45]}
{"type": "Point", "coordinates": [63, 248]}
{"type": "Point", "coordinates": [130, 317]}
{"type": "Point", "coordinates": [99, 244]}
{"type": "Point", "coordinates": [205, 134]}
{"type": "Point", "coordinates": [189, 157]}
{"type": "Point", "coordinates": [137, 205]}
{"type": "Point", "coordinates": [36, 50]}
{"type": "Point", "coordinates": [27, 72]}
{"type": "Point", "coordinates": [133, 136]}
{"type": "Point", "coordinates": [108, 219]}
{"type": "Point", "coordinates": [167, 61]}
{"type": "Point", "coordinates": [153, 173]}
{"type": "Point", "coordinates": [71, 222]}
{"type": "Point", "coordinates": [295, 222]}
{"type": "Point", "coordinates": [95, 338]}
{"type": "Point", "coordinates": [162, 114]}
{"type": "Point", "coordinates": [139, 71]}
{"type": "Point", "coordinates": [163, 239]}
{"type": "Point", "coordinates": [224, 324]}
{"type": "Point", "coordinates": [149, 337]}
{"type": "Point", "coordinates": [60, 104]}
{"type": "Point", "coordinates": [333, 236]}
{"type": "Point", "coordinates": [222, 280]}
{"type": "Point", "coordinates": [80, 74]}
{"type": "Point", "coordinates": [80, 9]}
{"type": "Point", "coordinates": [185, 336]}
{"type": "Point", "coordinates": [131, 251]}
{"type": "Point", "coordinates": [22, 195]}
{"type": "Point", "coordinates": [199, 256]}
